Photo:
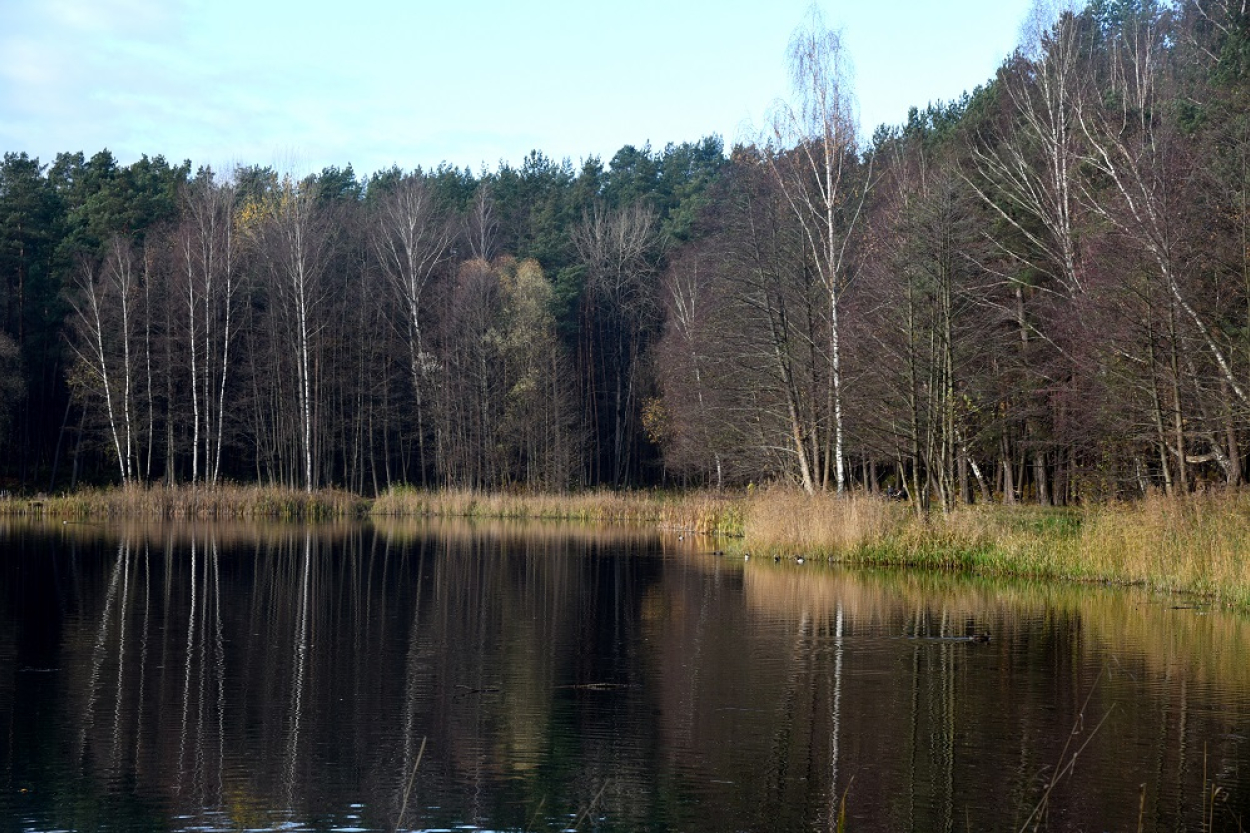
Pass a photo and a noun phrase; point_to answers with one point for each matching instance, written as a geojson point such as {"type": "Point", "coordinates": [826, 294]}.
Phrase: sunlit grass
{"type": "Point", "coordinates": [788, 521]}
{"type": "Point", "coordinates": [701, 512]}
{"type": "Point", "coordinates": [1198, 544]}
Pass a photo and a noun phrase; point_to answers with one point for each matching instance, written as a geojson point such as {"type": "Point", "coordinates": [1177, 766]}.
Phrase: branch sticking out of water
{"type": "Point", "coordinates": [1039, 812]}
{"type": "Point", "coordinates": [403, 806]}
{"type": "Point", "coordinates": [591, 805]}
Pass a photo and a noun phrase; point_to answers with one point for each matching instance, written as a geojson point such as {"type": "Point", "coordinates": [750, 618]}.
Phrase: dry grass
{"type": "Point", "coordinates": [702, 512]}
{"type": "Point", "coordinates": [189, 502]}
{"type": "Point", "coordinates": [787, 521]}
{"type": "Point", "coordinates": [1199, 544]}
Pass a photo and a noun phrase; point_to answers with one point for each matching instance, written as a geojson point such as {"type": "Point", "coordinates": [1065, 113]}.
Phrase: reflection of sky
{"type": "Point", "coordinates": [310, 83]}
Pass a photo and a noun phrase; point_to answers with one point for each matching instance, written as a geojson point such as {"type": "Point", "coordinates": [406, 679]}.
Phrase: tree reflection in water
{"type": "Point", "coordinates": [226, 677]}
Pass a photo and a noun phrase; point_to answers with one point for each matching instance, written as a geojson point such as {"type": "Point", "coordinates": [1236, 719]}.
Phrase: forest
{"type": "Point", "coordinates": [1038, 292]}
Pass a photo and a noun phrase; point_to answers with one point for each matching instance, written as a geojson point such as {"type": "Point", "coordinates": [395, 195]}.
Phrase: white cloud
{"type": "Point", "coordinates": [418, 83]}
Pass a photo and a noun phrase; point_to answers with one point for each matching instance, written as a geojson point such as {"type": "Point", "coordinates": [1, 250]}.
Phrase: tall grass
{"type": "Point", "coordinates": [791, 522]}
{"type": "Point", "coordinates": [1198, 544]}
{"type": "Point", "coordinates": [190, 502]}
{"type": "Point", "coordinates": [701, 512]}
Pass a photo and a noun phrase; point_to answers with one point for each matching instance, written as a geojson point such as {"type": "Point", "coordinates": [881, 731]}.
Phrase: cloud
{"type": "Point", "coordinates": [113, 17]}
{"type": "Point", "coordinates": [418, 83]}
{"type": "Point", "coordinates": [85, 74]}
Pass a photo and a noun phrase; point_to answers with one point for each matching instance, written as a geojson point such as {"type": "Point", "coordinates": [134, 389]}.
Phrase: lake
{"type": "Point", "coordinates": [416, 675]}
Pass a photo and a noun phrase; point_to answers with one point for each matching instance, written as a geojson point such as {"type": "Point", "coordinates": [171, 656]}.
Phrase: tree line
{"type": "Point", "coordinates": [1038, 292]}
{"type": "Point", "coordinates": [423, 327]}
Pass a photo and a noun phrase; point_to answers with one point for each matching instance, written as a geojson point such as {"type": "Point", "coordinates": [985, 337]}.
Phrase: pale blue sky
{"type": "Point", "coordinates": [300, 85]}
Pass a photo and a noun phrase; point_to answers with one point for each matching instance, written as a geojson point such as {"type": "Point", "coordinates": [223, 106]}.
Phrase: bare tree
{"type": "Point", "coordinates": [690, 300]}
{"type": "Point", "coordinates": [1136, 151]}
{"type": "Point", "coordinates": [291, 237]}
{"type": "Point", "coordinates": [211, 284]}
{"type": "Point", "coordinates": [104, 319]}
{"type": "Point", "coordinates": [472, 385]}
{"type": "Point", "coordinates": [812, 153]}
{"type": "Point", "coordinates": [618, 249]}
{"type": "Point", "coordinates": [411, 238]}
{"type": "Point", "coordinates": [1028, 172]}
{"type": "Point", "coordinates": [742, 363]}
{"type": "Point", "coordinates": [483, 226]}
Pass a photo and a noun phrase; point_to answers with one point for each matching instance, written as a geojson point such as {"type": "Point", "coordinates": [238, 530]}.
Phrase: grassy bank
{"type": "Point", "coordinates": [189, 502]}
{"type": "Point", "coordinates": [700, 512]}
{"type": "Point", "coordinates": [1199, 544]}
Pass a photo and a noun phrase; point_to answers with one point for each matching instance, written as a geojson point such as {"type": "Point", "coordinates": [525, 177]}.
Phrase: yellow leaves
{"type": "Point", "coordinates": [656, 421]}
{"type": "Point", "coordinates": [287, 198]}
{"type": "Point", "coordinates": [249, 217]}
{"type": "Point", "coordinates": [529, 276]}
{"type": "Point", "coordinates": [528, 297]}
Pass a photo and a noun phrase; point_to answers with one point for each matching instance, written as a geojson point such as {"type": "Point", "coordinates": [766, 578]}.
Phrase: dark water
{"type": "Point", "coordinates": [546, 678]}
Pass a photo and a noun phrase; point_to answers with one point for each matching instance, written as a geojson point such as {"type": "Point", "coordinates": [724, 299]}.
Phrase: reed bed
{"type": "Point", "coordinates": [222, 502]}
{"type": "Point", "coordinates": [1198, 544]}
{"type": "Point", "coordinates": [700, 512]}
{"type": "Point", "coordinates": [790, 522]}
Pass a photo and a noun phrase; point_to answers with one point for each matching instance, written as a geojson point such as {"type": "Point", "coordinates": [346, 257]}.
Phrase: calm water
{"type": "Point", "coordinates": [548, 678]}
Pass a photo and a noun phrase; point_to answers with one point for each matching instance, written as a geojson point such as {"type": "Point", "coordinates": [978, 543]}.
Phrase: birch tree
{"type": "Point", "coordinates": [1141, 166]}
{"type": "Point", "coordinates": [1026, 173]}
{"type": "Point", "coordinates": [104, 320]}
{"type": "Point", "coordinates": [812, 153]}
{"type": "Point", "coordinates": [411, 238]}
{"type": "Point", "coordinates": [292, 240]}
{"type": "Point", "coordinates": [211, 283]}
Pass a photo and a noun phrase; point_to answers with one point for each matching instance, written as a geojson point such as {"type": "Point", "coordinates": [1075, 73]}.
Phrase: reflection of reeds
{"type": "Point", "coordinates": [1133, 624]}
{"type": "Point", "coordinates": [556, 535]}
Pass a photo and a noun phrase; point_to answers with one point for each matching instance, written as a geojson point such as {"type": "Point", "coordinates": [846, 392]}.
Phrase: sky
{"type": "Point", "coordinates": [303, 84]}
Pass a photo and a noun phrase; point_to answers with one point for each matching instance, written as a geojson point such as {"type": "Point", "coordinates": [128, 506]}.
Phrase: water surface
{"type": "Point", "coordinates": [505, 677]}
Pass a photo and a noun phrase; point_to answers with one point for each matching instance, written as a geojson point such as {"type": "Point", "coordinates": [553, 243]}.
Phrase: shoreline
{"type": "Point", "coordinates": [1198, 544]}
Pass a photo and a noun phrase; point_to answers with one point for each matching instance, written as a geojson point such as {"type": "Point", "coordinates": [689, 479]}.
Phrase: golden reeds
{"type": "Point", "coordinates": [701, 512]}
{"type": "Point", "coordinates": [221, 502]}
{"type": "Point", "coordinates": [1198, 544]}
